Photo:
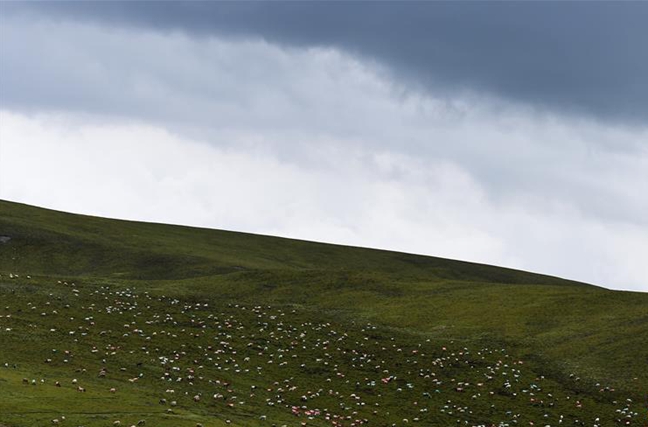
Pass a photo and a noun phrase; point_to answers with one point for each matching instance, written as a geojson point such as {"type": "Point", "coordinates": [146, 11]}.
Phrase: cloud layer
{"type": "Point", "coordinates": [313, 143]}
{"type": "Point", "coordinates": [584, 58]}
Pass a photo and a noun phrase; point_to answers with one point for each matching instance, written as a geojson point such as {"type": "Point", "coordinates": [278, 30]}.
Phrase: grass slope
{"type": "Point", "coordinates": [577, 341]}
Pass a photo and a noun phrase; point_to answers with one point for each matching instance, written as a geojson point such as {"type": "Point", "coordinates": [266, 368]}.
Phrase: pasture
{"type": "Point", "coordinates": [115, 323]}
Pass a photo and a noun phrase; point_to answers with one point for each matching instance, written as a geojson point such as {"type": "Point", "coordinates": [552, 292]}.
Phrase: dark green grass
{"type": "Point", "coordinates": [580, 338]}
{"type": "Point", "coordinates": [55, 242]}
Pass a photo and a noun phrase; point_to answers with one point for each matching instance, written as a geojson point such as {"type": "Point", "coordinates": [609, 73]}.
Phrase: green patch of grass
{"type": "Point", "coordinates": [129, 297]}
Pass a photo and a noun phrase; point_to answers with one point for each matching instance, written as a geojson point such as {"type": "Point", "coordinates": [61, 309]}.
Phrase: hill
{"type": "Point", "coordinates": [263, 330]}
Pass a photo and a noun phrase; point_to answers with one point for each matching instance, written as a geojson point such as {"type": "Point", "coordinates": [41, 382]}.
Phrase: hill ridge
{"type": "Point", "coordinates": [30, 214]}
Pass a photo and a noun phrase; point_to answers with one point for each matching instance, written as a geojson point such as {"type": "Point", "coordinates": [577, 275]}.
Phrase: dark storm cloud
{"type": "Point", "coordinates": [576, 57]}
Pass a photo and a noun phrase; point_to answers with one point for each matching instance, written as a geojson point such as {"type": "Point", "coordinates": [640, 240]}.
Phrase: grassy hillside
{"type": "Point", "coordinates": [361, 333]}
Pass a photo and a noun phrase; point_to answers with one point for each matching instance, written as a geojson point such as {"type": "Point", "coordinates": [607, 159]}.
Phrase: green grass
{"type": "Point", "coordinates": [574, 339]}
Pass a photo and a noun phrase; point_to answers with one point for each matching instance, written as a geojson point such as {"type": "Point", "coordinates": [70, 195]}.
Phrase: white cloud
{"type": "Point", "coordinates": [313, 144]}
{"type": "Point", "coordinates": [381, 200]}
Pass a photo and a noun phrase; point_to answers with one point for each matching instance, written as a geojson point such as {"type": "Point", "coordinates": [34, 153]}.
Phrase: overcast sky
{"type": "Point", "coordinates": [513, 134]}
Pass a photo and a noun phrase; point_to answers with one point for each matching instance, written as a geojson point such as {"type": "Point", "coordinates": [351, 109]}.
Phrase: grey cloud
{"type": "Point", "coordinates": [295, 102]}
{"type": "Point", "coordinates": [577, 57]}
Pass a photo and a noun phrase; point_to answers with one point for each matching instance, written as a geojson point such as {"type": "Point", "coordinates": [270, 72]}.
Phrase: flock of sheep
{"type": "Point", "coordinates": [194, 360]}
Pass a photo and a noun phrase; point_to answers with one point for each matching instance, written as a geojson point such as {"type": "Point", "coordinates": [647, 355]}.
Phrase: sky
{"type": "Point", "coordinates": [513, 134]}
